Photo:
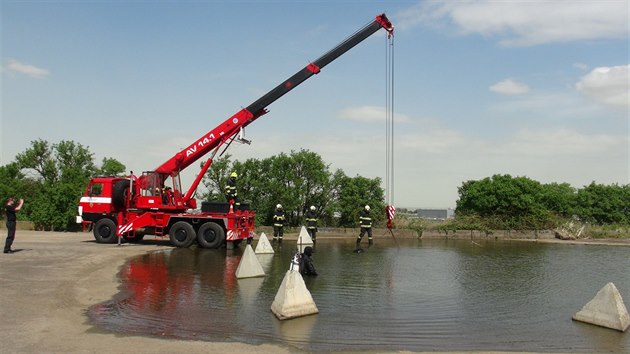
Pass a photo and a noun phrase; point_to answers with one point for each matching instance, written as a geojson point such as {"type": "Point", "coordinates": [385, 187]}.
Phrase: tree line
{"type": "Point", "coordinates": [296, 181]}
{"type": "Point", "coordinates": [506, 202]}
{"type": "Point", "coordinates": [51, 178]}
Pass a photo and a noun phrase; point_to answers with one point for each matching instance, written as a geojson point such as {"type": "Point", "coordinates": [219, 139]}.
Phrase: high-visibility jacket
{"type": "Point", "coordinates": [230, 189]}
{"type": "Point", "coordinates": [279, 218]}
{"type": "Point", "coordinates": [365, 219]}
{"type": "Point", "coordinates": [311, 220]}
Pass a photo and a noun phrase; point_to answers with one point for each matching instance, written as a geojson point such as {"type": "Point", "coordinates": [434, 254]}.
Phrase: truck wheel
{"type": "Point", "coordinates": [182, 234]}
{"type": "Point", "coordinates": [120, 193]}
{"type": "Point", "coordinates": [105, 231]}
{"type": "Point", "coordinates": [210, 235]}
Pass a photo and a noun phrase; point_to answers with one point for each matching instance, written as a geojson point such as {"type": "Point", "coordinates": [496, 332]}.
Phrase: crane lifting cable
{"type": "Point", "coordinates": [390, 210]}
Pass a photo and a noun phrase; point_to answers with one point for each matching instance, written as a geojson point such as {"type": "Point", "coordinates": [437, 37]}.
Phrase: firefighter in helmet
{"type": "Point", "coordinates": [279, 218]}
{"type": "Point", "coordinates": [311, 222]}
{"type": "Point", "coordinates": [366, 226]}
{"type": "Point", "coordinates": [231, 193]}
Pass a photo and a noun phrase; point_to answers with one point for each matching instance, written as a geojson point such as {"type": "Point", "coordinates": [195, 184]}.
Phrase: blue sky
{"type": "Point", "coordinates": [527, 88]}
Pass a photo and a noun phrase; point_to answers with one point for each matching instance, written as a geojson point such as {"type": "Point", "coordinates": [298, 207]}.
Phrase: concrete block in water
{"type": "Point", "coordinates": [263, 246]}
{"type": "Point", "coordinates": [249, 266]}
{"type": "Point", "coordinates": [303, 240]}
{"type": "Point", "coordinates": [293, 298]}
{"type": "Point", "coordinates": [606, 309]}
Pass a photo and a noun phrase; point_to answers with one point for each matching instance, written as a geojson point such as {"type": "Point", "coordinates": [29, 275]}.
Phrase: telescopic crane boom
{"type": "Point", "coordinates": [231, 126]}
{"type": "Point", "coordinates": [132, 206]}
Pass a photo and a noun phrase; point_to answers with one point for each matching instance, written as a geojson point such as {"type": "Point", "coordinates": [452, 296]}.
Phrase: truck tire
{"type": "Point", "coordinates": [105, 231]}
{"type": "Point", "coordinates": [120, 193]}
{"type": "Point", "coordinates": [210, 235]}
{"type": "Point", "coordinates": [182, 234]}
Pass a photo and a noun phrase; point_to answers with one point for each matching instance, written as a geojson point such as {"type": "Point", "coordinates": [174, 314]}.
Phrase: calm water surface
{"type": "Point", "coordinates": [419, 295]}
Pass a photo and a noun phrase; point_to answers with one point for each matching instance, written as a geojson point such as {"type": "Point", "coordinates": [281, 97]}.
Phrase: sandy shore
{"type": "Point", "coordinates": [48, 285]}
{"type": "Point", "coordinates": [50, 282]}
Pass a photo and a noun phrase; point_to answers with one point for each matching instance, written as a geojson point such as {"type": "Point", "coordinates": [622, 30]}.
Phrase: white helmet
{"type": "Point", "coordinates": [278, 206]}
{"type": "Point", "coordinates": [313, 207]}
{"type": "Point", "coordinates": [367, 207]}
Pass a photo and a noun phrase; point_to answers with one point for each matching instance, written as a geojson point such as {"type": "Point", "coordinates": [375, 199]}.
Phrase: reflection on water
{"type": "Point", "coordinates": [423, 295]}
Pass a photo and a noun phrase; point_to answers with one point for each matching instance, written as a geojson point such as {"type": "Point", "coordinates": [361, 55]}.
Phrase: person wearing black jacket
{"type": "Point", "coordinates": [311, 222]}
{"type": "Point", "coordinates": [231, 194]}
{"type": "Point", "coordinates": [366, 226]}
{"type": "Point", "coordinates": [11, 209]}
{"type": "Point", "coordinates": [306, 262]}
{"type": "Point", "coordinates": [279, 219]}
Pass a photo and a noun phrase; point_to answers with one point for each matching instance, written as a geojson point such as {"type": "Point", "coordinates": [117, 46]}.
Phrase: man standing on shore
{"type": "Point", "coordinates": [11, 209]}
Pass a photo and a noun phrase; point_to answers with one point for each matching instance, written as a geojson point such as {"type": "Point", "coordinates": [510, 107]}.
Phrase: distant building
{"type": "Point", "coordinates": [436, 214]}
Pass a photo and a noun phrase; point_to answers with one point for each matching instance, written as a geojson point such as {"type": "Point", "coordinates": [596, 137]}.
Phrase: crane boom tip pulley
{"type": "Point", "coordinates": [385, 23]}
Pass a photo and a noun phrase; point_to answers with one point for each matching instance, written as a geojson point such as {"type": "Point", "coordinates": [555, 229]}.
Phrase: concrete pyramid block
{"type": "Point", "coordinates": [606, 309]}
{"type": "Point", "coordinates": [293, 298]}
{"type": "Point", "coordinates": [249, 266]}
{"type": "Point", "coordinates": [263, 246]}
{"type": "Point", "coordinates": [303, 240]}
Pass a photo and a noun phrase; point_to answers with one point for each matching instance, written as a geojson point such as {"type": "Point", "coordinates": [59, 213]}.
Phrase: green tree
{"type": "Point", "coordinates": [603, 204]}
{"type": "Point", "coordinates": [296, 180]}
{"type": "Point", "coordinates": [39, 161]}
{"type": "Point", "coordinates": [56, 175]}
{"type": "Point", "coordinates": [14, 184]}
{"type": "Point", "coordinates": [559, 198]}
{"type": "Point", "coordinates": [75, 163]}
{"type": "Point", "coordinates": [10, 177]}
{"type": "Point", "coordinates": [312, 181]}
{"type": "Point", "coordinates": [515, 202]}
{"type": "Point", "coordinates": [111, 167]}
{"type": "Point", "coordinates": [216, 178]}
{"type": "Point", "coordinates": [353, 194]}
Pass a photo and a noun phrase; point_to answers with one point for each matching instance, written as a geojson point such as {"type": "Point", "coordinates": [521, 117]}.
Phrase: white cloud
{"type": "Point", "coordinates": [370, 114]}
{"type": "Point", "coordinates": [607, 85]}
{"type": "Point", "coordinates": [509, 87]}
{"type": "Point", "coordinates": [27, 69]}
{"type": "Point", "coordinates": [561, 142]}
{"type": "Point", "coordinates": [525, 23]}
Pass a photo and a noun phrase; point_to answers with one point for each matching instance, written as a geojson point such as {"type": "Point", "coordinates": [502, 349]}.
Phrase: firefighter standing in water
{"type": "Point", "coordinates": [311, 222]}
{"type": "Point", "coordinates": [279, 219]}
{"type": "Point", "coordinates": [231, 193]}
{"type": "Point", "coordinates": [366, 226]}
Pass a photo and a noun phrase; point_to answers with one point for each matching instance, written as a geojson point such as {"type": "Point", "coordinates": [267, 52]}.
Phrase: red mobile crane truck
{"type": "Point", "coordinates": [154, 202]}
